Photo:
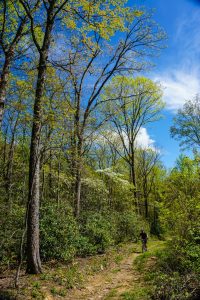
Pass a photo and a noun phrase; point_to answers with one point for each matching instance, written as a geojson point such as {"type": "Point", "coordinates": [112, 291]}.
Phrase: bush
{"type": "Point", "coordinates": [10, 234]}
{"type": "Point", "coordinates": [98, 230]}
{"type": "Point", "coordinates": [58, 232]}
{"type": "Point", "coordinates": [127, 226]}
{"type": "Point", "coordinates": [156, 229]}
{"type": "Point", "coordinates": [84, 247]}
{"type": "Point", "coordinates": [175, 287]}
{"type": "Point", "coordinates": [178, 275]}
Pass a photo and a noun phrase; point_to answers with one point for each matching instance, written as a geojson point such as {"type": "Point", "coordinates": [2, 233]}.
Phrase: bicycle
{"type": "Point", "coordinates": [144, 245]}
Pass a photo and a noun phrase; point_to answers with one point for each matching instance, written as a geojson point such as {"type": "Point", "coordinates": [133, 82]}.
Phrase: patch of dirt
{"type": "Point", "coordinates": [99, 277]}
{"type": "Point", "coordinates": [100, 285]}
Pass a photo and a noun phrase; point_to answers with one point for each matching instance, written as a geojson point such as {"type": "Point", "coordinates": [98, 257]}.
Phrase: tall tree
{"type": "Point", "coordinates": [137, 103]}
{"type": "Point", "coordinates": [186, 126]}
{"type": "Point", "coordinates": [147, 160]}
{"type": "Point", "coordinates": [42, 43]}
{"type": "Point", "coordinates": [16, 114]}
{"type": "Point", "coordinates": [13, 29]}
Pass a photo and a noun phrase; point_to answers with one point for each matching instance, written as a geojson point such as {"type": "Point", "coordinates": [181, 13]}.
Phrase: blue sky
{"type": "Point", "coordinates": [177, 68]}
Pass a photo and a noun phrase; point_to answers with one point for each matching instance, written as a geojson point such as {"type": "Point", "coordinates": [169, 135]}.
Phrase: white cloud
{"type": "Point", "coordinates": [181, 78]}
{"type": "Point", "coordinates": [179, 86]}
{"type": "Point", "coordinates": [144, 141]}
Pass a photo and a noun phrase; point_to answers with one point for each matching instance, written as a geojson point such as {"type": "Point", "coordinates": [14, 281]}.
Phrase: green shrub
{"type": "Point", "coordinates": [177, 273]}
{"type": "Point", "coordinates": [10, 234]}
{"type": "Point", "coordinates": [58, 233]}
{"type": "Point", "coordinates": [175, 287]}
{"type": "Point", "coordinates": [98, 230]}
{"type": "Point", "coordinates": [84, 247]}
{"type": "Point", "coordinates": [156, 229]}
{"type": "Point", "coordinates": [127, 226]}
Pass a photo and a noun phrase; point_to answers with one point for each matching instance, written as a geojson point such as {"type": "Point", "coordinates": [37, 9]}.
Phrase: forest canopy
{"type": "Point", "coordinates": [74, 99]}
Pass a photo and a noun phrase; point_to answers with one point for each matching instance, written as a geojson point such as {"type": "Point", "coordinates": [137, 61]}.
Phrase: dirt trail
{"type": "Point", "coordinates": [112, 281]}
{"type": "Point", "coordinates": [104, 277]}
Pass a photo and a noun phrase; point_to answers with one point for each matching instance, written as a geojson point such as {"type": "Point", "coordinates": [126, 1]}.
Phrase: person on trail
{"type": "Point", "coordinates": [144, 238]}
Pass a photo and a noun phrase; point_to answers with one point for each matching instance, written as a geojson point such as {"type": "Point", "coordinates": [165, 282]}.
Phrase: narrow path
{"type": "Point", "coordinates": [111, 283]}
{"type": "Point", "coordinates": [108, 277]}
{"type": "Point", "coordinates": [99, 286]}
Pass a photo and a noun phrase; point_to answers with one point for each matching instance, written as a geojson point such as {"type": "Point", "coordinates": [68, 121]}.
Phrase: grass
{"type": "Point", "coordinates": [111, 294]}
{"type": "Point", "coordinates": [59, 291]}
{"type": "Point", "coordinates": [144, 264]}
{"type": "Point", "coordinates": [139, 293]}
{"type": "Point", "coordinates": [155, 248]}
{"type": "Point", "coordinates": [142, 289]}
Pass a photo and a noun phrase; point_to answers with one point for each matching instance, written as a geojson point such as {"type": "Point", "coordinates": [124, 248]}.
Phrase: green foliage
{"type": "Point", "coordinates": [59, 232]}
{"type": "Point", "coordinates": [119, 190]}
{"type": "Point", "coordinates": [177, 272]}
{"type": "Point", "coordinates": [67, 277]}
{"type": "Point", "coordinates": [84, 246]}
{"type": "Point", "coordinates": [186, 126]}
{"type": "Point", "coordinates": [156, 227]}
{"type": "Point", "coordinates": [139, 293]}
{"type": "Point", "coordinates": [135, 99]}
{"type": "Point", "coordinates": [173, 287]}
{"type": "Point", "coordinates": [99, 230]}
{"type": "Point", "coordinates": [10, 233]}
{"type": "Point", "coordinates": [127, 226]}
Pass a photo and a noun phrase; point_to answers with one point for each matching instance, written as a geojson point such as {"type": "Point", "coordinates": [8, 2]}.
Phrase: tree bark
{"type": "Point", "coordinates": [78, 179]}
{"type": "Point", "coordinates": [50, 181]}
{"type": "Point", "coordinates": [146, 198]}
{"type": "Point", "coordinates": [78, 193]}
{"type": "Point", "coordinates": [9, 171]}
{"type": "Point", "coordinates": [4, 82]}
{"type": "Point", "coordinates": [134, 180]}
{"type": "Point", "coordinates": [33, 248]}
{"type": "Point", "coordinates": [58, 182]}
{"type": "Point", "coordinates": [33, 256]}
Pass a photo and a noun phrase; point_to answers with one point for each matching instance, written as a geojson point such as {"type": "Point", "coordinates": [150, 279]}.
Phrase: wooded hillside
{"type": "Point", "coordinates": [75, 179]}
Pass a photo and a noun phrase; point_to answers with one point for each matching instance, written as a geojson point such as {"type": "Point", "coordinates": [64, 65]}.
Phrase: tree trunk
{"type": "Point", "coordinates": [146, 199]}
{"type": "Point", "coordinates": [50, 181]}
{"type": "Point", "coordinates": [58, 182]}
{"type": "Point", "coordinates": [78, 193]}
{"type": "Point", "coordinates": [78, 177]}
{"type": "Point", "coordinates": [33, 252]}
{"type": "Point", "coordinates": [43, 186]}
{"type": "Point", "coordinates": [146, 207]}
{"type": "Point", "coordinates": [4, 82]}
{"type": "Point", "coordinates": [33, 256]}
{"type": "Point", "coordinates": [5, 152]}
{"type": "Point", "coordinates": [9, 170]}
{"type": "Point", "coordinates": [133, 175]}
{"type": "Point", "coordinates": [133, 180]}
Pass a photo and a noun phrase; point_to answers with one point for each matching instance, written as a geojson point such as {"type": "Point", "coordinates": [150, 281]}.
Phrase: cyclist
{"type": "Point", "coordinates": [144, 238]}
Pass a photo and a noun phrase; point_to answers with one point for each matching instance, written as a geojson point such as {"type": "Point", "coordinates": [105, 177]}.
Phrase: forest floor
{"type": "Point", "coordinates": [118, 274]}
